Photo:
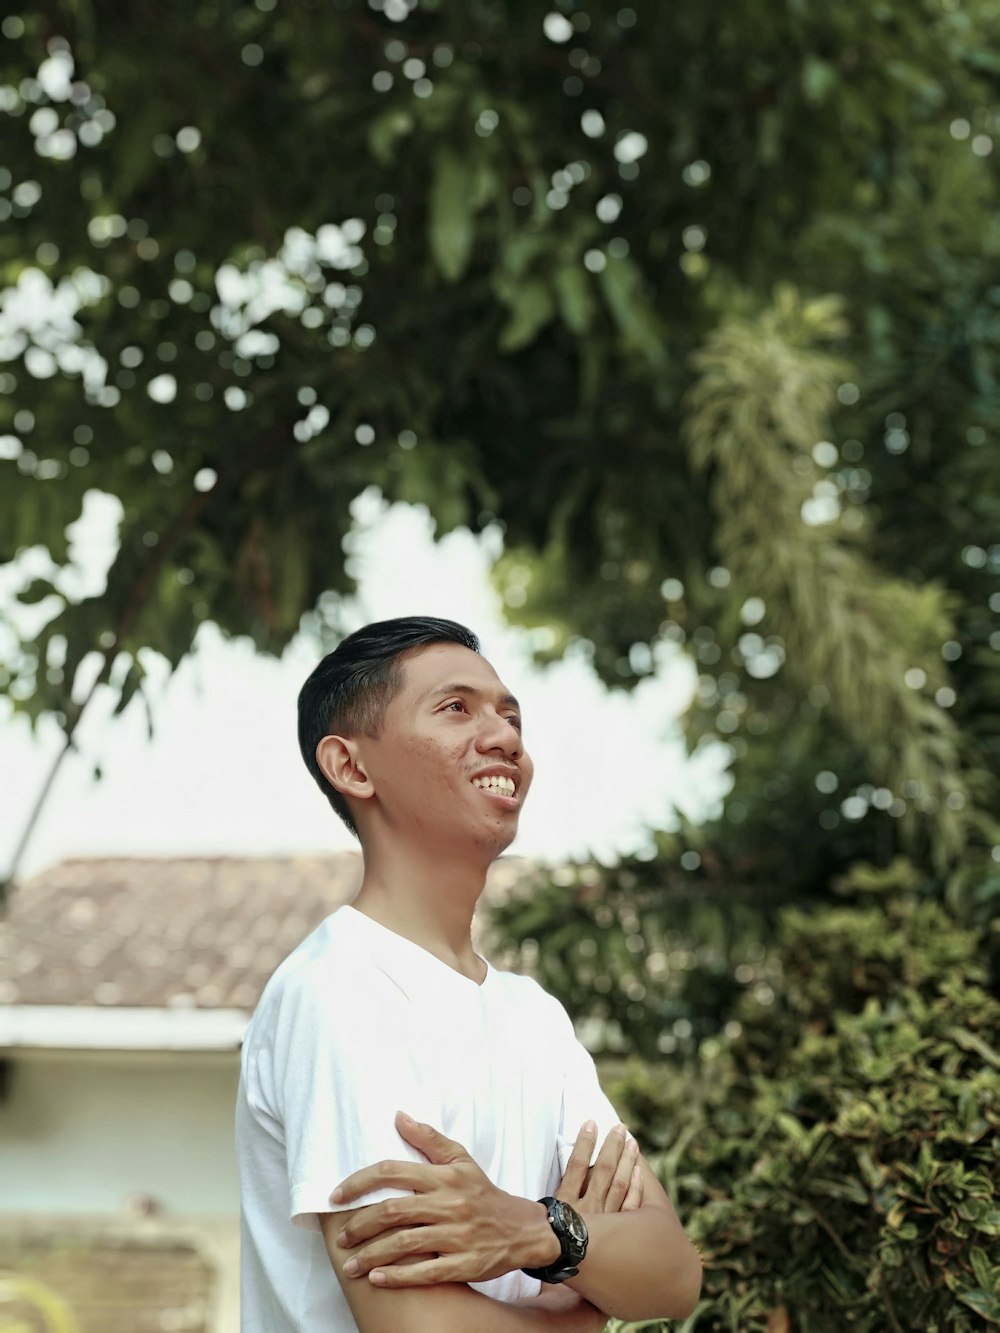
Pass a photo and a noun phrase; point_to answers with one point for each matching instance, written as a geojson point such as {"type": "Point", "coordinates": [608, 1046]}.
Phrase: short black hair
{"type": "Point", "coordinates": [348, 693]}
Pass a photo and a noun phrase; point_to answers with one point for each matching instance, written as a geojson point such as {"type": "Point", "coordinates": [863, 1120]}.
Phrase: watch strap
{"type": "Point", "coordinates": [571, 1232]}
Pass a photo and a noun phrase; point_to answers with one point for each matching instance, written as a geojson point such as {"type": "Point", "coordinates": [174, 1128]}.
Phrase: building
{"type": "Point", "coordinates": [125, 988]}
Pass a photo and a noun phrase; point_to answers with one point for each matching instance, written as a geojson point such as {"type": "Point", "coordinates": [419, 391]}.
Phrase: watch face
{"type": "Point", "coordinates": [573, 1224]}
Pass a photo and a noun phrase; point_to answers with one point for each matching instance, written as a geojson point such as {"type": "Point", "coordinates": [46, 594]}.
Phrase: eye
{"type": "Point", "coordinates": [514, 721]}
{"type": "Point", "coordinates": [455, 704]}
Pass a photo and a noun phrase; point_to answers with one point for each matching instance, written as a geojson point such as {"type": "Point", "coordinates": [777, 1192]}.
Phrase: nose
{"type": "Point", "coordinates": [497, 734]}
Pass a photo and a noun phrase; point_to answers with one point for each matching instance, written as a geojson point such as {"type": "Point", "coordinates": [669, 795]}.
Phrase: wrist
{"type": "Point", "coordinates": [538, 1244]}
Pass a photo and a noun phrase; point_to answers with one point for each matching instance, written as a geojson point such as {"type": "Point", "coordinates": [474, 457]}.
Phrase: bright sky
{"type": "Point", "coordinates": [222, 773]}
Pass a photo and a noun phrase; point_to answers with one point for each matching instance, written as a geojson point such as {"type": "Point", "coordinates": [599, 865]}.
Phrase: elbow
{"type": "Point", "coordinates": [688, 1289]}
{"type": "Point", "coordinates": [678, 1294]}
{"type": "Point", "coordinates": [687, 1286]}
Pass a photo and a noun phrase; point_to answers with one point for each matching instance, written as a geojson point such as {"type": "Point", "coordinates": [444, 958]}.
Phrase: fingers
{"type": "Point", "coordinates": [622, 1178]}
{"type": "Point", "coordinates": [426, 1273]}
{"type": "Point", "coordinates": [395, 1175]}
{"type": "Point", "coordinates": [401, 1246]}
{"type": "Point", "coordinates": [407, 1211]}
{"type": "Point", "coordinates": [435, 1146]}
{"type": "Point", "coordinates": [430, 1141]}
{"type": "Point", "coordinates": [572, 1186]}
{"type": "Point", "coordinates": [633, 1199]}
{"type": "Point", "coordinates": [603, 1171]}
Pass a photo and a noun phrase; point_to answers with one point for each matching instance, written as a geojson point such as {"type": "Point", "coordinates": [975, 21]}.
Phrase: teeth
{"type": "Point", "coordinates": [502, 786]}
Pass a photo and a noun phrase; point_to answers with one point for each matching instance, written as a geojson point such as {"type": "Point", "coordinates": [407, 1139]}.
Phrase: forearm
{"type": "Point", "coordinates": [639, 1265]}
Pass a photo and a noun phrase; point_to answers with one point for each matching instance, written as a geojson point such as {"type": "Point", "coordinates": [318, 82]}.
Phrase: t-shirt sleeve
{"type": "Point", "coordinates": [340, 1073]}
{"type": "Point", "coordinates": [583, 1098]}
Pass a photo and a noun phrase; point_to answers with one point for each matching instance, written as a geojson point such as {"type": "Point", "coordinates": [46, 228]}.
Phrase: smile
{"type": "Point", "coordinates": [498, 785]}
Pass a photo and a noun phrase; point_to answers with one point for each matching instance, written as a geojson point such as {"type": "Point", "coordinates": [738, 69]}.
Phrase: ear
{"type": "Point", "coordinates": [340, 761]}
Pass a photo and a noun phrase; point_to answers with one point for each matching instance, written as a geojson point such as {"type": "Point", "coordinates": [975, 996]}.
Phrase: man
{"type": "Point", "coordinates": [415, 1129]}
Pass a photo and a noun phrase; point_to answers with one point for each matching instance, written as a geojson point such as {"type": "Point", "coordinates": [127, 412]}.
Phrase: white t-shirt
{"type": "Point", "coordinates": [356, 1024]}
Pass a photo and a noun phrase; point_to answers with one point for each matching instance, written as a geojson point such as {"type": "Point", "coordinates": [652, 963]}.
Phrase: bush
{"type": "Point", "coordinates": [834, 1149]}
{"type": "Point", "coordinates": [855, 1185]}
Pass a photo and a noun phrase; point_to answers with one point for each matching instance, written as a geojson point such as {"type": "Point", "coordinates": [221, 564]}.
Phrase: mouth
{"type": "Point", "coordinates": [498, 787]}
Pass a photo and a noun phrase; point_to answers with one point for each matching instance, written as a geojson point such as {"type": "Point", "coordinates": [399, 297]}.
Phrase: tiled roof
{"type": "Point", "coordinates": [198, 932]}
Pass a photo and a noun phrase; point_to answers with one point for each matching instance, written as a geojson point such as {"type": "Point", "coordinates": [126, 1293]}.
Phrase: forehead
{"type": "Point", "coordinates": [431, 668]}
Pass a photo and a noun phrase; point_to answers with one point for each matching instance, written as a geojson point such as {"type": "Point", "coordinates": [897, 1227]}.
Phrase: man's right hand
{"type": "Point", "coordinates": [613, 1184]}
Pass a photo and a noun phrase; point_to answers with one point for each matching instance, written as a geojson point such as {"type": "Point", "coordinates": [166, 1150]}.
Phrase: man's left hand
{"type": "Point", "coordinates": [475, 1230]}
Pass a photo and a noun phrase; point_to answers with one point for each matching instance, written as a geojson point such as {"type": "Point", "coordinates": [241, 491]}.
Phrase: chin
{"type": "Point", "coordinates": [498, 841]}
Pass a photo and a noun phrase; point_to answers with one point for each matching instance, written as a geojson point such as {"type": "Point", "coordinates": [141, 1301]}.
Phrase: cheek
{"type": "Point", "coordinates": [434, 764]}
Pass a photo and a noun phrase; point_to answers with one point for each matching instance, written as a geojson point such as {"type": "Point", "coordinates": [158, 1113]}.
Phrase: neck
{"type": "Point", "coordinates": [426, 898]}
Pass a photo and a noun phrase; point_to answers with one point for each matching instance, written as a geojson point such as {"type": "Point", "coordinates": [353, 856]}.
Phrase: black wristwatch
{"type": "Point", "coordinates": [571, 1232]}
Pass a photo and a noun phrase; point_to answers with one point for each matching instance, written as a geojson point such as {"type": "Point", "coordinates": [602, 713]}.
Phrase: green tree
{"type": "Point", "coordinates": [693, 301]}
{"type": "Point", "coordinates": [699, 304]}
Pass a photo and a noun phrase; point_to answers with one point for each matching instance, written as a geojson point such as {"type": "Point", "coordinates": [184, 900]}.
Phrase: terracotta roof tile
{"type": "Point", "coordinates": [194, 932]}
{"type": "Point", "coordinates": [198, 932]}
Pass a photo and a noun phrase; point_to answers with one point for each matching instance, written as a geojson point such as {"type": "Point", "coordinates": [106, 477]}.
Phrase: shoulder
{"type": "Point", "coordinates": [528, 1007]}
{"type": "Point", "coordinates": [330, 974]}
{"type": "Point", "coordinates": [526, 997]}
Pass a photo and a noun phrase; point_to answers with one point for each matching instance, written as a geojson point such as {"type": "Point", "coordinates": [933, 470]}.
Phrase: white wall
{"type": "Point", "coordinates": [82, 1132]}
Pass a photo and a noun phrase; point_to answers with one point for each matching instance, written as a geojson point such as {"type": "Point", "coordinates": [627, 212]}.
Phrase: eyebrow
{"type": "Point", "coordinates": [506, 700]}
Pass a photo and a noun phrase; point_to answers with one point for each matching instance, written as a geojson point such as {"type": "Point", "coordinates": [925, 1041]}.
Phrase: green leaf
{"type": "Point", "coordinates": [987, 1274]}
{"type": "Point", "coordinates": [531, 308]}
{"type": "Point", "coordinates": [984, 60]}
{"type": "Point", "coordinates": [969, 1041]}
{"type": "Point", "coordinates": [847, 1189]}
{"type": "Point", "coordinates": [451, 222]}
{"type": "Point", "coordinates": [621, 280]}
{"type": "Point", "coordinates": [575, 295]}
{"type": "Point", "coordinates": [793, 1128]}
{"type": "Point", "coordinates": [874, 1173]}
{"type": "Point", "coordinates": [484, 184]}
{"type": "Point", "coordinates": [385, 132]}
{"type": "Point", "coordinates": [818, 79]}
{"type": "Point", "coordinates": [985, 1303]}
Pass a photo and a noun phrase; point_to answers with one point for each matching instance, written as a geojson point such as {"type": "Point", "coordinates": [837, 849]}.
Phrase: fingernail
{"type": "Point", "coordinates": [341, 1238]}
{"type": "Point", "coordinates": [406, 1119]}
{"type": "Point", "coordinates": [590, 1126]}
{"type": "Point", "coordinates": [337, 1195]}
{"type": "Point", "coordinates": [620, 1129]}
{"type": "Point", "coordinates": [351, 1267]}
{"type": "Point", "coordinates": [377, 1276]}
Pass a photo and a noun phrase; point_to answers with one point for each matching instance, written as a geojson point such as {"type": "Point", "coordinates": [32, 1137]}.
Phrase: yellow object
{"type": "Point", "coordinates": [55, 1312]}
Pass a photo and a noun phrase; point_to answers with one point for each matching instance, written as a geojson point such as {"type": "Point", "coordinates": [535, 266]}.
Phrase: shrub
{"type": "Point", "coordinates": [835, 1149]}
{"type": "Point", "coordinates": [853, 1185]}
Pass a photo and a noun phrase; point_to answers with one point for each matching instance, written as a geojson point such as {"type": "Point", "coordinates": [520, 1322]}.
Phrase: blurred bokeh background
{"type": "Point", "coordinates": [660, 344]}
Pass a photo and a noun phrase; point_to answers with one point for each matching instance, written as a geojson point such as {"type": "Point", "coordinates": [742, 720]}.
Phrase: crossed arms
{"type": "Point", "coordinates": [404, 1264]}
